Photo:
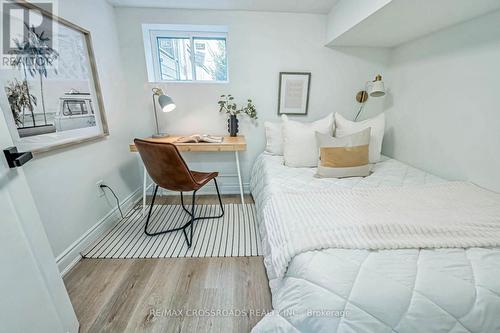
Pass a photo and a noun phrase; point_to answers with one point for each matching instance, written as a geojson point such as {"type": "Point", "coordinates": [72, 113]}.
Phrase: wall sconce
{"type": "Point", "coordinates": [375, 89]}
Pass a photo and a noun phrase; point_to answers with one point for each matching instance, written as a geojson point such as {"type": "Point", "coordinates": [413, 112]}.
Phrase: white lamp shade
{"type": "Point", "coordinates": [166, 103]}
{"type": "Point", "coordinates": [377, 89]}
{"type": "Point", "coordinates": [169, 107]}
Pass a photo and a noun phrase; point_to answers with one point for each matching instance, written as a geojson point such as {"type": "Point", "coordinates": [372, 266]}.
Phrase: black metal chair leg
{"type": "Point", "coordinates": [206, 217]}
{"type": "Point", "coordinates": [189, 240]}
{"type": "Point", "coordinates": [186, 237]}
{"type": "Point", "coordinates": [191, 226]}
{"type": "Point", "coordinates": [149, 217]}
{"type": "Point", "coordinates": [190, 223]}
{"type": "Point", "coordinates": [150, 210]}
{"type": "Point", "coordinates": [182, 203]}
{"type": "Point", "coordinates": [220, 200]}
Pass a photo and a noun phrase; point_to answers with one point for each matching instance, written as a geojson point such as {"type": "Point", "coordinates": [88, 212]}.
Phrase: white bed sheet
{"type": "Point", "coordinates": [410, 290]}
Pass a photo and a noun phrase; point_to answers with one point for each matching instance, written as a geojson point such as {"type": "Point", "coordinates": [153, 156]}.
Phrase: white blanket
{"type": "Point", "coordinates": [398, 290]}
{"type": "Point", "coordinates": [454, 214]}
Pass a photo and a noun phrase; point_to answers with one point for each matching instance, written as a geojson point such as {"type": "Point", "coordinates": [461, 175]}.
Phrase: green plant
{"type": "Point", "coordinates": [250, 110]}
{"type": "Point", "coordinates": [36, 55]}
{"type": "Point", "coordinates": [20, 99]}
{"type": "Point", "coordinates": [228, 106]}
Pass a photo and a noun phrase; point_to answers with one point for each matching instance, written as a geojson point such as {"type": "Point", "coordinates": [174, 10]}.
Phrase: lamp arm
{"type": "Point", "coordinates": [359, 112]}
{"type": "Point", "coordinates": [367, 85]}
{"type": "Point", "coordinates": [156, 116]}
{"type": "Point", "coordinates": [157, 91]}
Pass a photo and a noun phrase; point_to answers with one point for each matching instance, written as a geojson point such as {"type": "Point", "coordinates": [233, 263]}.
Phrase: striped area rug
{"type": "Point", "coordinates": [234, 235]}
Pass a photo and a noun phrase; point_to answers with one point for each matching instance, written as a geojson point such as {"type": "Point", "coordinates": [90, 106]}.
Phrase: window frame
{"type": "Point", "coordinates": [151, 34]}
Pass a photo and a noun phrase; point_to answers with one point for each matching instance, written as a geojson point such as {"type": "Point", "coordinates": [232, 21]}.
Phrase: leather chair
{"type": "Point", "coordinates": [168, 169]}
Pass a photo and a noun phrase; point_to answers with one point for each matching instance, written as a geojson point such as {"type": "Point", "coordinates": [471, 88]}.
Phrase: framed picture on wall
{"type": "Point", "coordinates": [50, 94]}
{"type": "Point", "coordinates": [293, 98]}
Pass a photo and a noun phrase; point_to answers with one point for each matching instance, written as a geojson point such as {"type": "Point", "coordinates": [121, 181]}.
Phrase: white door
{"type": "Point", "coordinates": [32, 294]}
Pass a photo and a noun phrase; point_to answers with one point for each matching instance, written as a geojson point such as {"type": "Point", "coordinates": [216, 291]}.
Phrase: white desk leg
{"type": "Point", "coordinates": [144, 187]}
{"type": "Point", "coordinates": [239, 176]}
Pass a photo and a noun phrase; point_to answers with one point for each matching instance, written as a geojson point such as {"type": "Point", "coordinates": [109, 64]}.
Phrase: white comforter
{"type": "Point", "coordinates": [340, 290]}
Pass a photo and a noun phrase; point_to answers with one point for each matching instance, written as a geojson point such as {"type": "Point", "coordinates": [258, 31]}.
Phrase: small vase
{"type": "Point", "coordinates": [232, 125]}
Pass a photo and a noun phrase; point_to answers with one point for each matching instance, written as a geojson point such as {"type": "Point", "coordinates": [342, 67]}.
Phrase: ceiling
{"type": "Point", "coordinates": [402, 21]}
{"type": "Point", "coordinates": [295, 6]}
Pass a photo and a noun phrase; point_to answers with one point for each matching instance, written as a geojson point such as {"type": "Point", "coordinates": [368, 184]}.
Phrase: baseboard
{"type": "Point", "coordinates": [71, 256]}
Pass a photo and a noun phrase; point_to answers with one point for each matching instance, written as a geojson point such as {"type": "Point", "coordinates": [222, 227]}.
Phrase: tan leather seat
{"type": "Point", "coordinates": [203, 177]}
{"type": "Point", "coordinates": [167, 168]}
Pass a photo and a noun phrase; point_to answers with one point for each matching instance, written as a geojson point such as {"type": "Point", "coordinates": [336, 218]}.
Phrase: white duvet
{"type": "Point", "coordinates": [341, 290]}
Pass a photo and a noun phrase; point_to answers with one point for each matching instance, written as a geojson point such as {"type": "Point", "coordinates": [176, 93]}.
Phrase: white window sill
{"type": "Point", "coordinates": [189, 82]}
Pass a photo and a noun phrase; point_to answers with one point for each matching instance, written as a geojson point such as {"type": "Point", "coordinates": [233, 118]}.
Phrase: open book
{"type": "Point", "coordinates": [200, 138]}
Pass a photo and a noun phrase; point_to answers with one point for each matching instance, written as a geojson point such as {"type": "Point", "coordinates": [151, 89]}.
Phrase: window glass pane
{"type": "Point", "coordinates": [74, 108]}
{"type": "Point", "coordinates": [174, 58]}
{"type": "Point", "coordinates": [210, 58]}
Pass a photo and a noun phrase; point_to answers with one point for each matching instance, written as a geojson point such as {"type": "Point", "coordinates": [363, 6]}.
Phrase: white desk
{"type": "Point", "coordinates": [229, 144]}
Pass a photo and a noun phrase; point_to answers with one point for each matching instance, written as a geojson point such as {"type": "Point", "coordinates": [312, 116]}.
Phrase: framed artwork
{"type": "Point", "coordinates": [293, 98]}
{"type": "Point", "coordinates": [50, 94]}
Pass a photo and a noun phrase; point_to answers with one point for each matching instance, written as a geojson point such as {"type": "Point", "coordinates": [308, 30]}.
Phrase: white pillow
{"type": "Point", "coordinates": [299, 140]}
{"type": "Point", "coordinates": [346, 127]}
{"type": "Point", "coordinates": [274, 138]}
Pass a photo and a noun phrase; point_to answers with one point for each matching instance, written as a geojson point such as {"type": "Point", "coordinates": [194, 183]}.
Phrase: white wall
{"type": "Point", "coordinates": [63, 181]}
{"type": "Point", "coordinates": [346, 14]}
{"type": "Point", "coordinates": [260, 45]}
{"type": "Point", "coordinates": [444, 109]}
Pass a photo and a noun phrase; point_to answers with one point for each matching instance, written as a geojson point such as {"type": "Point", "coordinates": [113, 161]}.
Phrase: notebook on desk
{"type": "Point", "coordinates": [196, 138]}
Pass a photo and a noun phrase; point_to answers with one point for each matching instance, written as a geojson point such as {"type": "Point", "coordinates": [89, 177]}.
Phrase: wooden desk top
{"type": "Point", "coordinates": [230, 143]}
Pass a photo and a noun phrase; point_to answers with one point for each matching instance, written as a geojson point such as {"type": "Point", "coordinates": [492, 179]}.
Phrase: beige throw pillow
{"type": "Point", "coordinates": [347, 156]}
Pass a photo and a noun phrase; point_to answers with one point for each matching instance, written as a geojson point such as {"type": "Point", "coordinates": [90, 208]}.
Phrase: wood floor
{"type": "Point", "coordinates": [171, 294]}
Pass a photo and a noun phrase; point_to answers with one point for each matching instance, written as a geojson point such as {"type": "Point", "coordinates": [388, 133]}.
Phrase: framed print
{"type": "Point", "coordinates": [293, 98]}
{"type": "Point", "coordinates": [50, 94]}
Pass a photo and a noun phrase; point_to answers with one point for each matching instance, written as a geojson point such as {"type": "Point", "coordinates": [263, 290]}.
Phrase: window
{"type": "Point", "coordinates": [74, 108]}
{"type": "Point", "coordinates": [186, 53]}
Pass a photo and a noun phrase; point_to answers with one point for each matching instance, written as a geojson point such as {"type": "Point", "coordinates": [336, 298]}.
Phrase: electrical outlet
{"type": "Point", "coordinates": [100, 190]}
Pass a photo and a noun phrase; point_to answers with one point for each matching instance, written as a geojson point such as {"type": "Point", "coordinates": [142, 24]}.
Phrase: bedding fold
{"type": "Point", "coordinates": [442, 215]}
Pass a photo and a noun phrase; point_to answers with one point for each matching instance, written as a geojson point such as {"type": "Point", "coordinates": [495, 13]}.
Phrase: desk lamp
{"type": "Point", "coordinates": [167, 105]}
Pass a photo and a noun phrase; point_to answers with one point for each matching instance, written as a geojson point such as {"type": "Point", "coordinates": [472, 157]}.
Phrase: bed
{"type": "Point", "coordinates": [320, 288]}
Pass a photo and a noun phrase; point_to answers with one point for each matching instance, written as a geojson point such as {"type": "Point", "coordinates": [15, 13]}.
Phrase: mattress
{"type": "Point", "coordinates": [404, 290]}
